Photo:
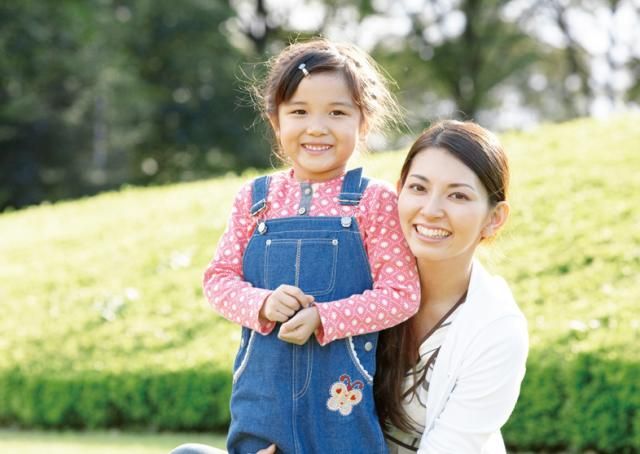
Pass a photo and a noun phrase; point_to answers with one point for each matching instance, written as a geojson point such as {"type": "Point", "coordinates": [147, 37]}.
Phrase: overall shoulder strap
{"type": "Point", "coordinates": [353, 187]}
{"type": "Point", "coordinates": [259, 191]}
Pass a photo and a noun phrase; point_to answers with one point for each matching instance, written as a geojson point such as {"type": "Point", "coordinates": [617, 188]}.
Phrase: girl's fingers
{"type": "Point", "coordinates": [290, 302]}
{"type": "Point", "coordinates": [302, 299]}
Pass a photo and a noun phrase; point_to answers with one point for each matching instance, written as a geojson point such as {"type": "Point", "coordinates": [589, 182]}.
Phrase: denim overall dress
{"type": "Point", "coordinates": [306, 398]}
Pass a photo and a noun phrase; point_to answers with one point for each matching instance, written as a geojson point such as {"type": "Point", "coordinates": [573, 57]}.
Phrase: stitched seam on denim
{"type": "Point", "coordinates": [265, 266]}
{"type": "Point", "coordinates": [356, 361]}
{"type": "Point", "coordinates": [332, 282]}
{"type": "Point", "coordinates": [298, 250]}
{"type": "Point", "coordinates": [303, 391]}
{"type": "Point", "coordinates": [245, 360]}
{"type": "Point", "coordinates": [294, 402]}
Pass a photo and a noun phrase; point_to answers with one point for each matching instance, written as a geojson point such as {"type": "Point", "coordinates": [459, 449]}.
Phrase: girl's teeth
{"type": "Point", "coordinates": [317, 147]}
{"type": "Point", "coordinates": [432, 233]}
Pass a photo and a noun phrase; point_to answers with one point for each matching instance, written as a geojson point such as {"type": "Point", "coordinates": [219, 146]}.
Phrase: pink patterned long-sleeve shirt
{"type": "Point", "coordinates": [396, 290]}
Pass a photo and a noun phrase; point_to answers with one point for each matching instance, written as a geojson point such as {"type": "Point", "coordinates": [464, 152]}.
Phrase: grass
{"type": "Point", "coordinates": [32, 442]}
{"type": "Point", "coordinates": [112, 283]}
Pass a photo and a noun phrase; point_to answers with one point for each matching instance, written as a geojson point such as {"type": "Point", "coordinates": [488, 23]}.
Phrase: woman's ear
{"type": "Point", "coordinates": [497, 218]}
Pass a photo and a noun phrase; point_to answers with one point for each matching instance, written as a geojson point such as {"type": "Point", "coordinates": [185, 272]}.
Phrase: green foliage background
{"type": "Point", "coordinates": [104, 323]}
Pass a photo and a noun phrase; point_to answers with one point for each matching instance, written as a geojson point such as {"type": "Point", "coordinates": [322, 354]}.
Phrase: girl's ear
{"type": "Point", "coordinates": [273, 120]}
{"type": "Point", "coordinates": [364, 129]}
{"type": "Point", "coordinates": [498, 216]}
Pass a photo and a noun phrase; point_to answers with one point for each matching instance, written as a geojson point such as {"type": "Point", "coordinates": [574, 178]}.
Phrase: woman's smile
{"type": "Point", "coordinates": [431, 233]}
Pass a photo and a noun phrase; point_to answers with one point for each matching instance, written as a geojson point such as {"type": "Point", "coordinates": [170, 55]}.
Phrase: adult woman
{"type": "Point", "coordinates": [448, 379]}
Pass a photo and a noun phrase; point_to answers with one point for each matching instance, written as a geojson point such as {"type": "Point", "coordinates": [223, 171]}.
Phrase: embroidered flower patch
{"type": "Point", "coordinates": [345, 395]}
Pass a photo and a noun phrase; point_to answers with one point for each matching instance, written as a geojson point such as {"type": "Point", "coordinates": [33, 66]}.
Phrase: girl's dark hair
{"type": "Point", "coordinates": [367, 82]}
{"type": "Point", "coordinates": [481, 151]}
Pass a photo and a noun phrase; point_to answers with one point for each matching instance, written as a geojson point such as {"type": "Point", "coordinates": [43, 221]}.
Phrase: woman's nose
{"type": "Point", "coordinates": [432, 207]}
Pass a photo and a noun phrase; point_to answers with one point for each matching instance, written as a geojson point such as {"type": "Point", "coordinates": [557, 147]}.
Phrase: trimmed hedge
{"type": "Point", "coordinates": [586, 402]}
{"type": "Point", "coordinates": [185, 400]}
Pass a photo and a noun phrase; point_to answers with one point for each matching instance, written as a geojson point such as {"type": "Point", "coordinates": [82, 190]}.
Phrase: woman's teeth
{"type": "Point", "coordinates": [432, 233]}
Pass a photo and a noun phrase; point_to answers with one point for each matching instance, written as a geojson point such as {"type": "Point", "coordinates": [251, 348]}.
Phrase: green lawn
{"type": "Point", "coordinates": [18, 442]}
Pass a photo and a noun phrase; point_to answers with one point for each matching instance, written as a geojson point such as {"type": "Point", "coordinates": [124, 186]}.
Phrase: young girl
{"type": "Point", "coordinates": [449, 378]}
{"type": "Point", "coordinates": [313, 263]}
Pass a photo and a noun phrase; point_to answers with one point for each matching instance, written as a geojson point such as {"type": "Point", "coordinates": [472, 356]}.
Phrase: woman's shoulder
{"type": "Point", "coordinates": [491, 295]}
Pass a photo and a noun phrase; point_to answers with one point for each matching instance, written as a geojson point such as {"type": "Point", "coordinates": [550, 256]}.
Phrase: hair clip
{"type": "Point", "coordinates": [302, 67]}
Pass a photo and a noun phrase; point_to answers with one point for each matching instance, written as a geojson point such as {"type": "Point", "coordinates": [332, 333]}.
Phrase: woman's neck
{"type": "Point", "coordinates": [443, 282]}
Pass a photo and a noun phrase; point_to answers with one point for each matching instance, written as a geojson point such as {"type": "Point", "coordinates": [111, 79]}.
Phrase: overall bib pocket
{"type": "Point", "coordinates": [309, 264]}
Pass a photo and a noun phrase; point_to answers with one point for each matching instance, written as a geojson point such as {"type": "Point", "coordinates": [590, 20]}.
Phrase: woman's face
{"type": "Point", "coordinates": [444, 208]}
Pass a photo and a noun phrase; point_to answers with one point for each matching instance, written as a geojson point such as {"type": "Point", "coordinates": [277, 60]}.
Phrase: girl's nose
{"type": "Point", "coordinates": [316, 128]}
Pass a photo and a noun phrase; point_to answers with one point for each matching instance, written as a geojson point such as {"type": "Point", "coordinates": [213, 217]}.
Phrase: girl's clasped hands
{"type": "Point", "coordinates": [293, 308]}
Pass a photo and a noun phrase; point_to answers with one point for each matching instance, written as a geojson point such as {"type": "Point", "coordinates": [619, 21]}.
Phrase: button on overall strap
{"type": "Point", "coordinates": [259, 191]}
{"type": "Point", "coordinates": [353, 187]}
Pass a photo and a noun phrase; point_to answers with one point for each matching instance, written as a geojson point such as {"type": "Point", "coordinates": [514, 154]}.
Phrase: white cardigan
{"type": "Point", "coordinates": [476, 378]}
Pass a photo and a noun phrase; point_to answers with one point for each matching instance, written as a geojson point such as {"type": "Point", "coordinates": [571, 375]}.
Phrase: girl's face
{"type": "Point", "coordinates": [444, 208]}
{"type": "Point", "coordinates": [319, 127]}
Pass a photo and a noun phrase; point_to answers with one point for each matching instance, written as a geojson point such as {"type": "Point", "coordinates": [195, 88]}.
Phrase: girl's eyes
{"type": "Point", "coordinates": [333, 113]}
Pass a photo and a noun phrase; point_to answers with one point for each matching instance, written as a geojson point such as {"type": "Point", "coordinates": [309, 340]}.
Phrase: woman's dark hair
{"type": "Point", "coordinates": [481, 151]}
{"type": "Point", "coordinates": [367, 82]}
{"type": "Point", "coordinates": [476, 147]}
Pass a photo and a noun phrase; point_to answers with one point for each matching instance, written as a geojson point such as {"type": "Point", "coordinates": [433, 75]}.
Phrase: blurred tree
{"type": "Point", "coordinates": [43, 83]}
{"type": "Point", "coordinates": [455, 55]}
{"type": "Point", "coordinates": [595, 42]}
{"type": "Point", "coordinates": [100, 93]}
{"type": "Point", "coordinates": [198, 123]}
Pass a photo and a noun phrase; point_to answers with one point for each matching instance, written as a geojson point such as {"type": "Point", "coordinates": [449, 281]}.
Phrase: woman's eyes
{"type": "Point", "coordinates": [298, 112]}
{"type": "Point", "coordinates": [337, 113]}
{"type": "Point", "coordinates": [459, 196]}
{"type": "Point", "coordinates": [416, 187]}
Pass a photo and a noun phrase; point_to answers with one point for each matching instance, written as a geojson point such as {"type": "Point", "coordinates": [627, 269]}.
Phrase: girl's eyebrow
{"type": "Point", "coordinates": [335, 103]}
{"type": "Point", "coordinates": [342, 103]}
{"type": "Point", "coordinates": [451, 185]}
